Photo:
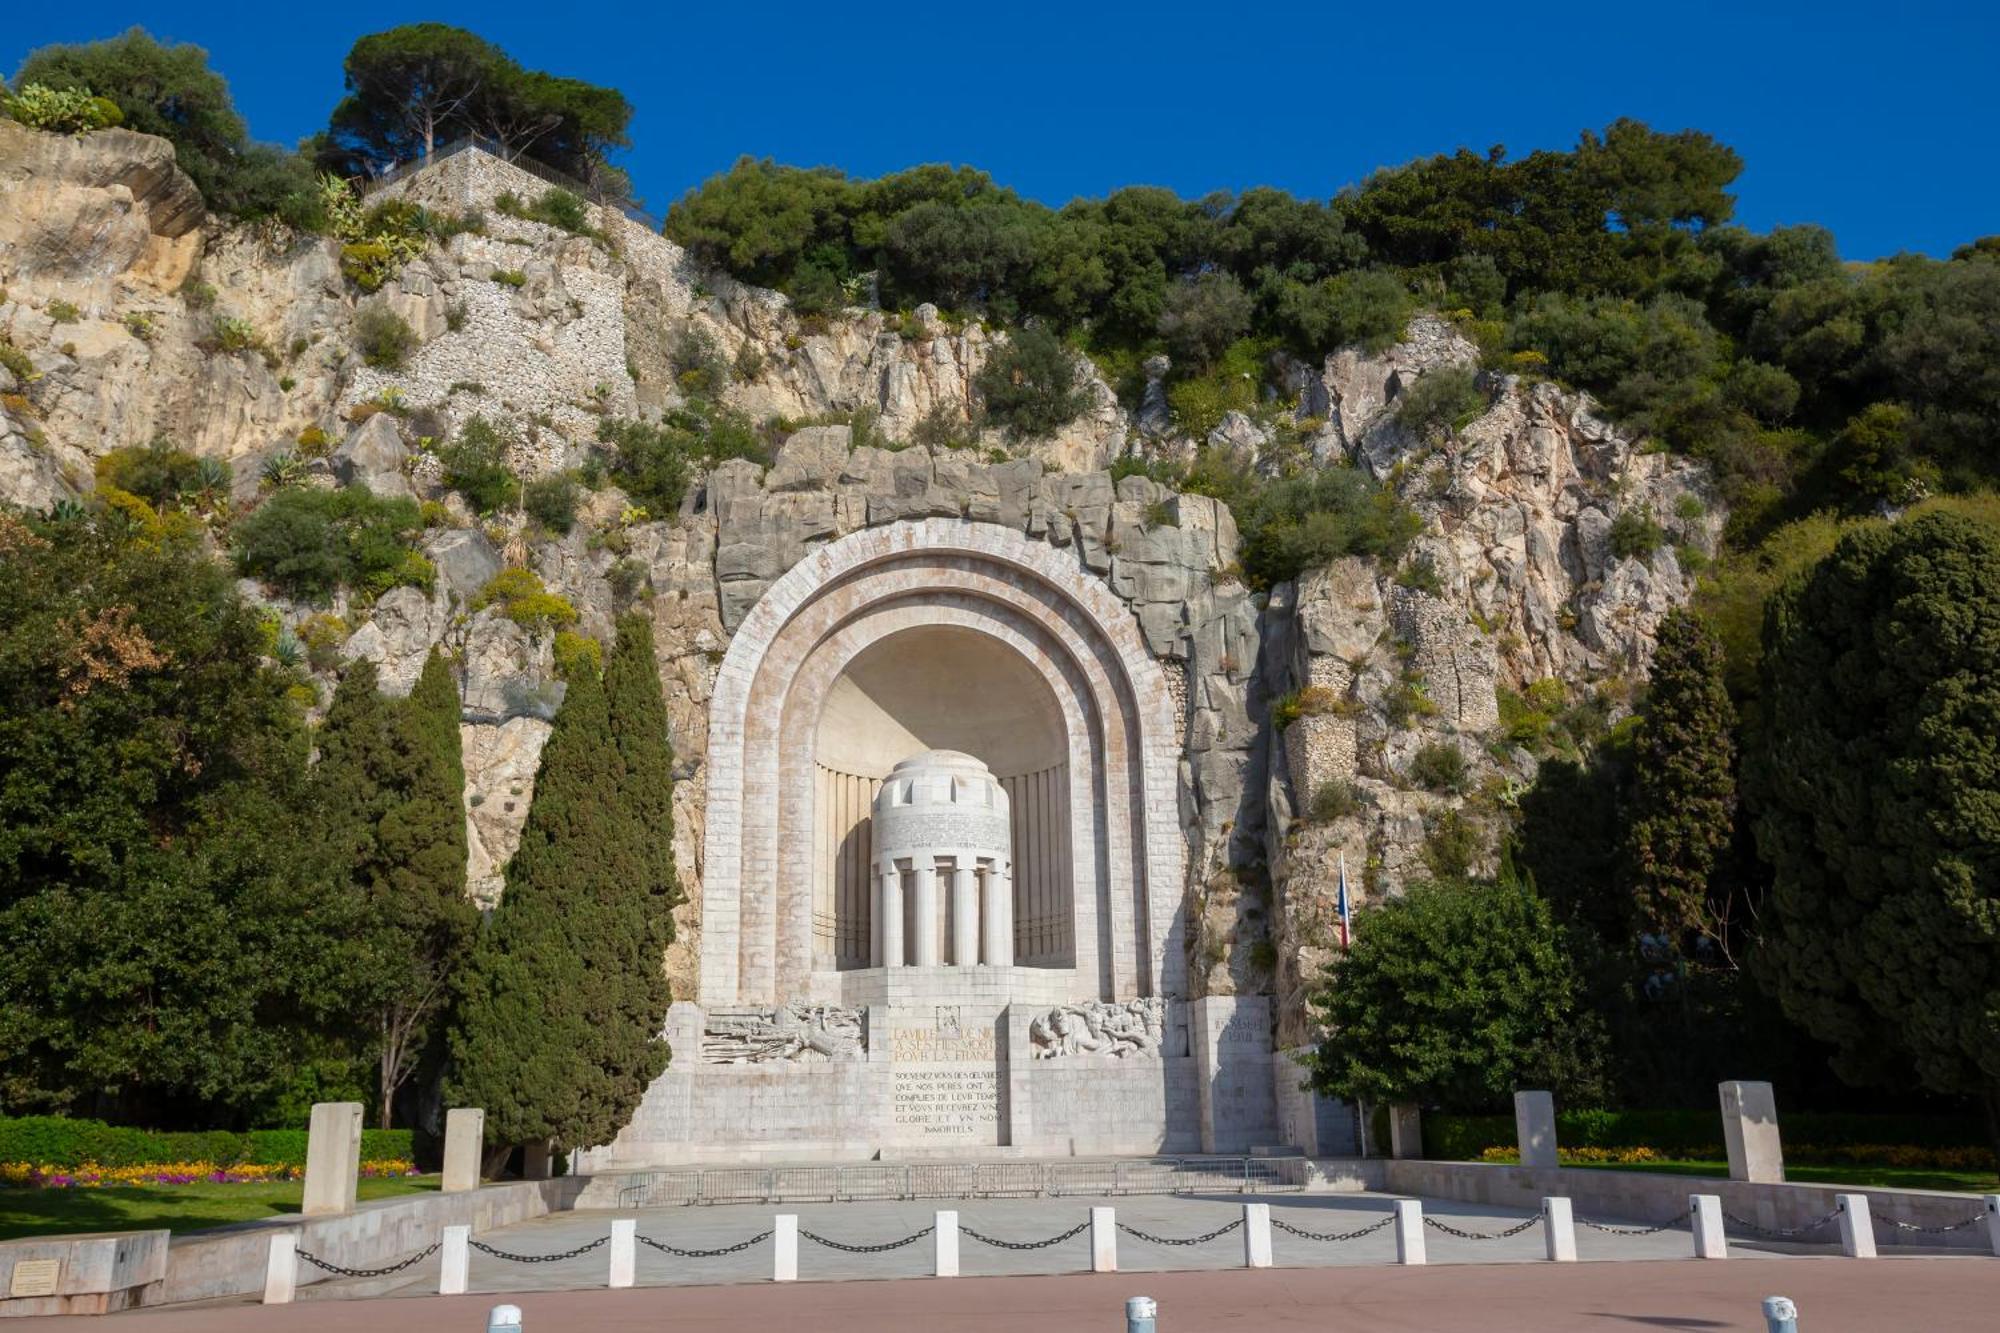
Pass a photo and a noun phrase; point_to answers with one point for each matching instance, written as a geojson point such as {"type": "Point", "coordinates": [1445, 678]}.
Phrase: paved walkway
{"type": "Point", "coordinates": [1889, 1295]}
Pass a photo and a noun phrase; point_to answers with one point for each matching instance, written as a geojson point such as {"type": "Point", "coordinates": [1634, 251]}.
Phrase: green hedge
{"type": "Point", "coordinates": [1673, 1133]}
{"type": "Point", "coordinates": [48, 1140]}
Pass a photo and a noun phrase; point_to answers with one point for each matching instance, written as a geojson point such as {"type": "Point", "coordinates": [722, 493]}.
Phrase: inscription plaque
{"type": "Point", "coordinates": [946, 1102]}
{"type": "Point", "coordinates": [35, 1277]}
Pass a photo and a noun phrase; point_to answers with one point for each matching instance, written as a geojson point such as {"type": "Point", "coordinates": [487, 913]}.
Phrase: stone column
{"type": "Point", "coordinates": [1750, 1129]}
{"type": "Point", "coordinates": [998, 913]}
{"type": "Point", "coordinates": [464, 1145]}
{"type": "Point", "coordinates": [1535, 1128]}
{"type": "Point", "coordinates": [924, 915]}
{"type": "Point", "coordinates": [964, 912]}
{"type": "Point", "coordinates": [890, 909]}
{"type": "Point", "coordinates": [333, 1158]}
{"type": "Point", "coordinates": [1406, 1131]}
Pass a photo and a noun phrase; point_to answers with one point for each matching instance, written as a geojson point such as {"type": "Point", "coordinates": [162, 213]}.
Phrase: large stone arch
{"type": "Point", "coordinates": [1025, 598]}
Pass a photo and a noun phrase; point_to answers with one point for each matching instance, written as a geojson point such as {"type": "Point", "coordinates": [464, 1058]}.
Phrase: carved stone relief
{"type": "Point", "coordinates": [801, 1033]}
{"type": "Point", "coordinates": [1098, 1027]}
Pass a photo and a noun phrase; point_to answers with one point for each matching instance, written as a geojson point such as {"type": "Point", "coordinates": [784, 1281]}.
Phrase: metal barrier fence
{"type": "Point", "coordinates": [1068, 1178]}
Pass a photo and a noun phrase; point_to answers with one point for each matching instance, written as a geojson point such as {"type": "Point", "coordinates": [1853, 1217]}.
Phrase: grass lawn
{"type": "Point", "coordinates": [51, 1212]}
{"type": "Point", "coordinates": [1884, 1177]}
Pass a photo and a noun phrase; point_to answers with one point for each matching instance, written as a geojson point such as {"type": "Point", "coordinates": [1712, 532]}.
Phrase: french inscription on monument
{"type": "Point", "coordinates": [35, 1277]}
{"type": "Point", "coordinates": [932, 1046]}
{"type": "Point", "coordinates": [946, 1102]}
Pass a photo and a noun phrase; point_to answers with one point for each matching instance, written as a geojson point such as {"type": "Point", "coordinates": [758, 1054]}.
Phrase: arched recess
{"type": "Point", "coordinates": [1029, 601]}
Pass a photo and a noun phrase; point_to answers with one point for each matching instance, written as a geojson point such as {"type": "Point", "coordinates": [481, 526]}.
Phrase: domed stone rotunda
{"type": "Point", "coordinates": [941, 819]}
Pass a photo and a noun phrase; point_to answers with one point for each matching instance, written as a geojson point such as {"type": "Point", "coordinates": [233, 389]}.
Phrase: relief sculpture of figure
{"type": "Point", "coordinates": [796, 1032]}
{"type": "Point", "coordinates": [1097, 1027]}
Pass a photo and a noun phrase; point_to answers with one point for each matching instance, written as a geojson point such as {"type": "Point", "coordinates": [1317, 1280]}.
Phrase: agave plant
{"type": "Point", "coordinates": [282, 469]}
{"type": "Point", "coordinates": [286, 650]}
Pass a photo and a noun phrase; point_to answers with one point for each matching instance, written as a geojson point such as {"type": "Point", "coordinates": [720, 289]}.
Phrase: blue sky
{"type": "Point", "coordinates": [1877, 121]}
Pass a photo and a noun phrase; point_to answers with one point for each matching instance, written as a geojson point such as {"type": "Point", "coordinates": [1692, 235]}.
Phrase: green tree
{"type": "Point", "coordinates": [1454, 995]}
{"type": "Point", "coordinates": [1684, 807]}
{"type": "Point", "coordinates": [1877, 793]}
{"type": "Point", "coordinates": [1032, 386]}
{"type": "Point", "coordinates": [1202, 316]}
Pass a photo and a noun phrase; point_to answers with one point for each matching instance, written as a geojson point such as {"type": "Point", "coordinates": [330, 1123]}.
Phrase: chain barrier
{"type": "Point", "coordinates": [1972, 1221]}
{"type": "Point", "coordinates": [679, 1253]}
{"type": "Point", "coordinates": [1780, 1233]}
{"type": "Point", "coordinates": [999, 1244]}
{"type": "Point", "coordinates": [340, 1271]}
{"type": "Point", "coordinates": [1450, 1230]}
{"type": "Point", "coordinates": [484, 1248]}
{"type": "Point", "coordinates": [1330, 1236]}
{"type": "Point", "coordinates": [1610, 1230]}
{"type": "Point", "coordinates": [868, 1249]}
{"type": "Point", "coordinates": [1202, 1239]}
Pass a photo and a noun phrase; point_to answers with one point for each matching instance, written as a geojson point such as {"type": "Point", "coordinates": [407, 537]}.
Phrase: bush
{"type": "Point", "coordinates": [1312, 701]}
{"type": "Point", "coordinates": [521, 597]}
{"type": "Point", "coordinates": [475, 465]}
{"type": "Point", "coordinates": [157, 473]}
{"type": "Point", "coordinates": [307, 543]}
{"type": "Point", "coordinates": [1368, 306]}
{"type": "Point", "coordinates": [1233, 384]}
{"type": "Point", "coordinates": [233, 334]}
{"type": "Point", "coordinates": [557, 207]}
{"type": "Point", "coordinates": [551, 502]}
{"type": "Point", "coordinates": [63, 312]}
{"type": "Point", "coordinates": [1676, 1133]}
{"type": "Point", "coordinates": [510, 277]}
{"type": "Point", "coordinates": [1441, 403]}
{"type": "Point", "coordinates": [698, 366]}
{"type": "Point", "coordinates": [1635, 533]}
{"type": "Point", "coordinates": [16, 362]}
{"type": "Point", "coordinates": [48, 1140]}
{"type": "Point", "coordinates": [1031, 386]}
{"type": "Point", "coordinates": [1334, 800]}
{"type": "Point", "coordinates": [1202, 316]}
{"type": "Point", "coordinates": [63, 110]}
{"type": "Point", "coordinates": [1309, 521]}
{"type": "Point", "coordinates": [1440, 766]}
{"type": "Point", "coordinates": [383, 338]}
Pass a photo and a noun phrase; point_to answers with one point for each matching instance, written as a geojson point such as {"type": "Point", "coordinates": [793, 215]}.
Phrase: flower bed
{"type": "Point", "coordinates": [90, 1175]}
{"type": "Point", "coordinates": [1902, 1155]}
{"type": "Point", "coordinates": [69, 1144]}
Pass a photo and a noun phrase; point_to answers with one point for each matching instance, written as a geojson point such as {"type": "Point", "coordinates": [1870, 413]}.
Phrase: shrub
{"type": "Point", "coordinates": [1312, 701]}
{"type": "Point", "coordinates": [626, 578]}
{"type": "Point", "coordinates": [577, 652]}
{"type": "Point", "coordinates": [197, 295]}
{"type": "Point", "coordinates": [1202, 316]}
{"type": "Point", "coordinates": [1031, 387]}
{"type": "Point", "coordinates": [475, 465]}
{"type": "Point", "coordinates": [307, 543]}
{"type": "Point", "coordinates": [1440, 766]}
{"type": "Point", "coordinates": [1308, 521]}
{"type": "Point", "coordinates": [139, 324]}
{"type": "Point", "coordinates": [62, 110]}
{"type": "Point", "coordinates": [16, 362]}
{"type": "Point", "coordinates": [233, 334]}
{"type": "Point", "coordinates": [49, 1140]}
{"type": "Point", "coordinates": [1366, 306]}
{"type": "Point", "coordinates": [551, 502]}
{"type": "Point", "coordinates": [1527, 718]}
{"type": "Point", "coordinates": [1635, 533]}
{"type": "Point", "coordinates": [313, 443]}
{"type": "Point", "coordinates": [510, 277]}
{"type": "Point", "coordinates": [557, 207]}
{"type": "Point", "coordinates": [62, 312]}
{"type": "Point", "coordinates": [160, 474]}
{"type": "Point", "coordinates": [1451, 844]}
{"type": "Point", "coordinates": [383, 338]}
{"type": "Point", "coordinates": [697, 365]}
{"type": "Point", "coordinates": [1441, 403]}
{"type": "Point", "coordinates": [520, 596]}
{"type": "Point", "coordinates": [1334, 800]}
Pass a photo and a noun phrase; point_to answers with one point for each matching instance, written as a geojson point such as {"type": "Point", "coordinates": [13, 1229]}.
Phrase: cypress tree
{"type": "Point", "coordinates": [1685, 766]}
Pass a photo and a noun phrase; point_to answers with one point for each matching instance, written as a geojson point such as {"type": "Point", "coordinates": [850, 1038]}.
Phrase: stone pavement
{"type": "Point", "coordinates": [1894, 1295]}
{"type": "Point", "coordinates": [1169, 1217]}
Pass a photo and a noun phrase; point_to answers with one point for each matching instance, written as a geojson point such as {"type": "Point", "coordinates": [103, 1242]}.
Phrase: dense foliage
{"type": "Point", "coordinates": [308, 542]}
{"type": "Point", "coordinates": [1878, 796]}
{"type": "Point", "coordinates": [68, 1141]}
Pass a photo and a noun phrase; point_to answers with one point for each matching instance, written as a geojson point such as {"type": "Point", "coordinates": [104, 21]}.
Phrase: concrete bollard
{"type": "Point", "coordinates": [281, 1270]}
{"type": "Point", "coordinates": [455, 1262]}
{"type": "Point", "coordinates": [464, 1146]}
{"type": "Point", "coordinates": [944, 1235]}
{"type": "Point", "coordinates": [624, 1251]}
{"type": "Point", "coordinates": [333, 1159]}
{"type": "Point", "coordinates": [1780, 1315]}
{"type": "Point", "coordinates": [1103, 1240]}
{"type": "Point", "coordinates": [1256, 1235]}
{"type": "Point", "coordinates": [785, 1248]}
{"type": "Point", "coordinates": [1705, 1211]}
{"type": "Point", "coordinates": [1535, 1128]}
{"type": "Point", "coordinates": [1993, 1222]}
{"type": "Point", "coordinates": [1750, 1132]}
{"type": "Point", "coordinates": [1559, 1230]}
{"type": "Point", "coordinates": [1409, 1231]}
{"type": "Point", "coordinates": [1857, 1228]}
{"type": "Point", "coordinates": [504, 1319]}
{"type": "Point", "coordinates": [1142, 1314]}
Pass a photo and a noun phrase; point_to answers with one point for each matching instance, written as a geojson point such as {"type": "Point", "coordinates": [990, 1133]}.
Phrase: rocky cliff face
{"type": "Point", "coordinates": [1514, 580]}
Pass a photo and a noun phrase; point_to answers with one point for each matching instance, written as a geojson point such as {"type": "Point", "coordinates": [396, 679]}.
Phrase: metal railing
{"type": "Point", "coordinates": [1068, 1177]}
{"type": "Point", "coordinates": [493, 148]}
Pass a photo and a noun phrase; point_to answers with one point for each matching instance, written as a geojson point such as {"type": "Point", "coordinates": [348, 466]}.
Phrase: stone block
{"type": "Point", "coordinates": [1535, 1128]}
{"type": "Point", "coordinates": [785, 1248]}
{"type": "Point", "coordinates": [1705, 1211]}
{"type": "Point", "coordinates": [624, 1251]}
{"type": "Point", "coordinates": [1406, 1131]}
{"type": "Point", "coordinates": [1409, 1232]}
{"type": "Point", "coordinates": [1559, 1230]}
{"type": "Point", "coordinates": [455, 1261]}
{"type": "Point", "coordinates": [1857, 1227]}
{"type": "Point", "coordinates": [1103, 1240]}
{"type": "Point", "coordinates": [944, 1235]}
{"type": "Point", "coordinates": [1750, 1131]}
{"type": "Point", "coordinates": [333, 1158]}
{"type": "Point", "coordinates": [1256, 1235]}
{"type": "Point", "coordinates": [464, 1148]}
{"type": "Point", "coordinates": [535, 1161]}
{"type": "Point", "coordinates": [281, 1269]}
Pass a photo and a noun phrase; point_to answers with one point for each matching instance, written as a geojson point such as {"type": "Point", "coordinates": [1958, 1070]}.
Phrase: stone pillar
{"type": "Point", "coordinates": [281, 1269]}
{"type": "Point", "coordinates": [333, 1158]}
{"type": "Point", "coordinates": [535, 1161]}
{"type": "Point", "coordinates": [1406, 1130]}
{"type": "Point", "coordinates": [890, 910]}
{"type": "Point", "coordinates": [924, 913]}
{"type": "Point", "coordinates": [1857, 1228]}
{"type": "Point", "coordinates": [997, 911]}
{"type": "Point", "coordinates": [624, 1251]}
{"type": "Point", "coordinates": [1559, 1230]}
{"type": "Point", "coordinates": [1535, 1128]}
{"type": "Point", "coordinates": [1410, 1232]}
{"type": "Point", "coordinates": [455, 1261]}
{"type": "Point", "coordinates": [1709, 1241]}
{"type": "Point", "coordinates": [964, 912]}
{"type": "Point", "coordinates": [464, 1146]}
{"type": "Point", "coordinates": [1750, 1129]}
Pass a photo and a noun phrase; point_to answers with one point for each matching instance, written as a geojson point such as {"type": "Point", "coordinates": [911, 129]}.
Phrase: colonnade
{"type": "Point", "coordinates": [980, 908]}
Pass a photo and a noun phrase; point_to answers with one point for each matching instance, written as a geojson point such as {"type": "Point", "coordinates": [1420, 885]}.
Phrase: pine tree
{"type": "Point", "coordinates": [1685, 766]}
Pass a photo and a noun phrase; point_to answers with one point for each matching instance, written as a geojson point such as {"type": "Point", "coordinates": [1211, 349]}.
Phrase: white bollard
{"type": "Point", "coordinates": [624, 1251]}
{"type": "Point", "coordinates": [944, 1234]}
{"type": "Point", "coordinates": [785, 1248]}
{"type": "Point", "coordinates": [1993, 1222]}
{"type": "Point", "coordinates": [1780, 1315]}
{"type": "Point", "coordinates": [281, 1270]}
{"type": "Point", "coordinates": [1705, 1210]}
{"type": "Point", "coordinates": [1256, 1235]}
{"type": "Point", "coordinates": [1409, 1231]}
{"type": "Point", "coordinates": [504, 1319]}
{"type": "Point", "coordinates": [1103, 1240]}
{"type": "Point", "coordinates": [1559, 1230]}
{"type": "Point", "coordinates": [1857, 1228]}
{"type": "Point", "coordinates": [455, 1263]}
{"type": "Point", "coordinates": [1142, 1315]}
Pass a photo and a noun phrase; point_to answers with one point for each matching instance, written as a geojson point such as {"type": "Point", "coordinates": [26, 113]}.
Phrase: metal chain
{"type": "Point", "coordinates": [484, 1248]}
{"type": "Point", "coordinates": [868, 1249]}
{"type": "Point", "coordinates": [999, 1244]}
{"type": "Point", "coordinates": [1972, 1221]}
{"type": "Point", "coordinates": [1609, 1230]}
{"type": "Point", "coordinates": [676, 1251]}
{"type": "Point", "coordinates": [339, 1271]}
{"type": "Point", "coordinates": [1290, 1230]}
{"type": "Point", "coordinates": [1450, 1230]}
{"type": "Point", "coordinates": [1222, 1230]}
{"type": "Point", "coordinates": [1781, 1233]}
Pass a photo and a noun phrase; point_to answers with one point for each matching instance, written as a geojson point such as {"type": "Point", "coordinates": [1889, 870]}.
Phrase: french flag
{"type": "Point", "coordinates": [1346, 915]}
